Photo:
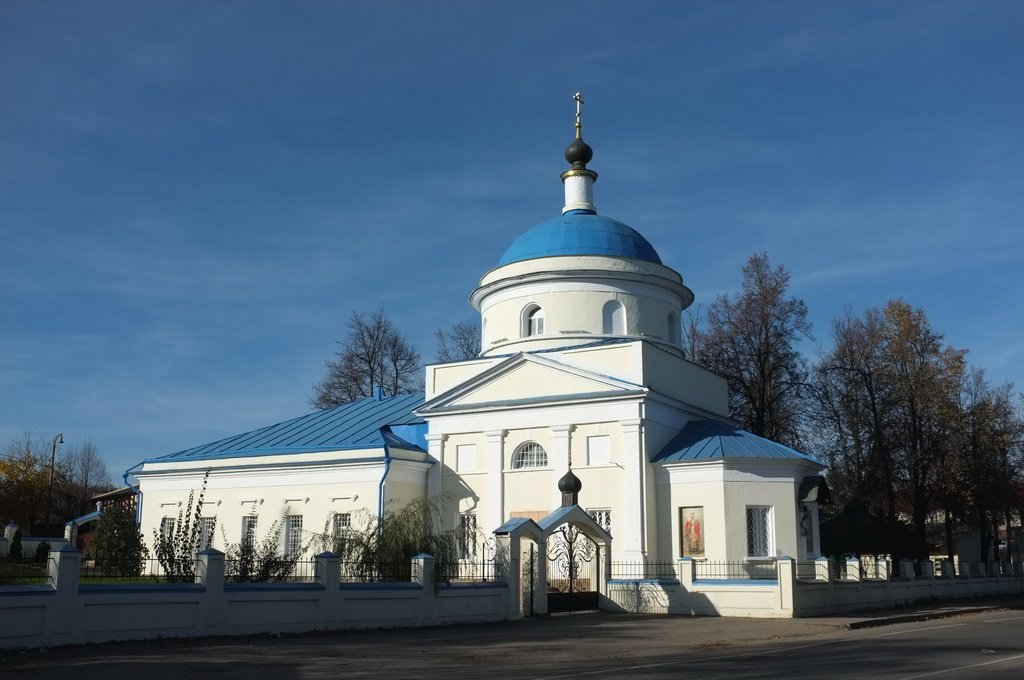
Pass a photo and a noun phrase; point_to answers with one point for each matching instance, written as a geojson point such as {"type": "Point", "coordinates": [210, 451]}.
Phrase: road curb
{"type": "Point", "coordinates": [920, 616]}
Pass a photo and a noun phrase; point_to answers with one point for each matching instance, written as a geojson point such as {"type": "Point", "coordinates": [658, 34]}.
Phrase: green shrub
{"type": "Point", "coordinates": [117, 543]}
{"type": "Point", "coordinates": [263, 562]}
{"type": "Point", "coordinates": [384, 549]}
{"type": "Point", "coordinates": [15, 550]}
{"type": "Point", "coordinates": [42, 552]}
{"type": "Point", "coordinates": [177, 550]}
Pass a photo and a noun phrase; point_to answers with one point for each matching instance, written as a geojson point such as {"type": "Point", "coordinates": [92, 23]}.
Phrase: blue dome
{"type": "Point", "coordinates": [580, 233]}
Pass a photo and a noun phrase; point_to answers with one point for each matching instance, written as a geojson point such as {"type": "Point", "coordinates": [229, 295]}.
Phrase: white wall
{"type": "Point", "coordinates": [274, 486]}
{"type": "Point", "coordinates": [70, 613]}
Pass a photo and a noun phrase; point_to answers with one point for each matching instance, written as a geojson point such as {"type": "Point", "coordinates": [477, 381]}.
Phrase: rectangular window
{"type": "Point", "coordinates": [602, 516]}
{"type": "Point", "coordinates": [293, 534]}
{"type": "Point", "coordinates": [167, 528]}
{"type": "Point", "coordinates": [465, 457]}
{"type": "Point", "coordinates": [537, 323]}
{"type": "Point", "coordinates": [340, 528]}
{"type": "Point", "coordinates": [249, 530]}
{"type": "Point", "coordinates": [759, 531]}
{"type": "Point", "coordinates": [467, 536]}
{"type": "Point", "coordinates": [599, 450]}
{"type": "Point", "coordinates": [206, 532]}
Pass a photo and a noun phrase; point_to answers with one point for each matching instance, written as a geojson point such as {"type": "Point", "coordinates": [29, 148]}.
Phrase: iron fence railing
{"type": "Point", "coordinates": [122, 570]}
{"type": "Point", "coordinates": [22, 572]}
{"type": "Point", "coordinates": [278, 570]}
{"type": "Point", "coordinates": [819, 570]}
{"type": "Point", "coordinates": [750, 570]}
{"type": "Point", "coordinates": [873, 568]}
{"type": "Point", "coordinates": [100, 569]}
{"type": "Point", "coordinates": [475, 571]}
{"type": "Point", "coordinates": [643, 570]}
{"type": "Point", "coordinates": [363, 572]}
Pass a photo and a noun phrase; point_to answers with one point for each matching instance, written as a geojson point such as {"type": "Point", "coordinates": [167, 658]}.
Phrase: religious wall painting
{"type": "Point", "coordinates": [691, 531]}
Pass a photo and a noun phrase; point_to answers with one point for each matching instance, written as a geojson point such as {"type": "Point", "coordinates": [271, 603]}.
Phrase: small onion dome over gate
{"type": "Point", "coordinates": [570, 486]}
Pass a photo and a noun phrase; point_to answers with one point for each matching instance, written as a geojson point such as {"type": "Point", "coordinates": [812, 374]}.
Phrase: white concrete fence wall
{"type": "Point", "coordinates": [68, 612]}
{"type": "Point", "coordinates": [789, 596]}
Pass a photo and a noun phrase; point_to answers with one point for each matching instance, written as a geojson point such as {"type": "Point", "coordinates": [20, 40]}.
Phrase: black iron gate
{"type": "Point", "coordinates": [573, 566]}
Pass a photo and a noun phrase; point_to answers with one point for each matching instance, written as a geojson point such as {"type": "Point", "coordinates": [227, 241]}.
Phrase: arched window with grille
{"type": "Point", "coordinates": [528, 455]}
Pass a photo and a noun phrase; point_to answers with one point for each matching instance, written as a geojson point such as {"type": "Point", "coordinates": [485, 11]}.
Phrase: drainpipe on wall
{"type": "Point", "coordinates": [383, 479]}
{"type": "Point", "coordinates": [138, 499]}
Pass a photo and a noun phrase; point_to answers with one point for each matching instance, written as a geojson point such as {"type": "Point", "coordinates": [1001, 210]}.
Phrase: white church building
{"type": "Point", "coordinates": [581, 364]}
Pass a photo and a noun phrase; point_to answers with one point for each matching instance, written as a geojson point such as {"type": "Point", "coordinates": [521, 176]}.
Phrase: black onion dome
{"type": "Point", "coordinates": [578, 153]}
{"type": "Point", "coordinates": [569, 483]}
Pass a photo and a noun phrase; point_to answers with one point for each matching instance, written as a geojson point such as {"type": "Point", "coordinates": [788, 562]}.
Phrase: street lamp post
{"type": "Point", "coordinates": [59, 439]}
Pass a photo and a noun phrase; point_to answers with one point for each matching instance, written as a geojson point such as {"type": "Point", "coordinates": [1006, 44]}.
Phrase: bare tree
{"type": "Point", "coordinates": [84, 473]}
{"type": "Point", "coordinates": [982, 475]}
{"type": "Point", "coordinates": [375, 355]}
{"type": "Point", "coordinates": [458, 343]}
{"type": "Point", "coordinates": [750, 339]}
{"type": "Point", "coordinates": [693, 317]}
{"type": "Point", "coordinates": [886, 413]}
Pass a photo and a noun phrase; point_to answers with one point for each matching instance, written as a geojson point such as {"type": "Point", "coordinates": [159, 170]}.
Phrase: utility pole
{"type": "Point", "coordinates": [59, 439]}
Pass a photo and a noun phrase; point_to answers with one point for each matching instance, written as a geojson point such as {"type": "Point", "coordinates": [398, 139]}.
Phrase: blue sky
{"type": "Point", "coordinates": [194, 195]}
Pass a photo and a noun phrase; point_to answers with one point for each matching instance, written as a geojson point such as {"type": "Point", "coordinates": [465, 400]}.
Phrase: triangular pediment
{"type": "Point", "coordinates": [526, 379]}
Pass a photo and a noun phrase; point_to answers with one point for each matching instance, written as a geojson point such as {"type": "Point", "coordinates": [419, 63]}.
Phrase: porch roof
{"type": "Point", "coordinates": [702, 440]}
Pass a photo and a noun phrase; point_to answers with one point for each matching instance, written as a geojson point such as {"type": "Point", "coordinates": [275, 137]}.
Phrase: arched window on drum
{"type": "Point", "coordinates": [613, 317]}
{"type": "Point", "coordinates": [533, 321]}
{"type": "Point", "coordinates": [673, 328]}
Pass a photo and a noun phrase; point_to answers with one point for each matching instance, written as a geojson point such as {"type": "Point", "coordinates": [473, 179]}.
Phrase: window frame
{"type": "Point", "coordinates": [341, 525]}
{"type": "Point", "coordinates": [607, 453]}
{"type": "Point", "coordinates": [764, 526]}
{"type": "Point", "coordinates": [465, 457]}
{"type": "Point", "coordinates": [603, 516]}
{"type": "Point", "coordinates": [249, 525]}
{"type": "Point", "coordinates": [533, 321]}
{"type": "Point", "coordinates": [167, 528]}
{"type": "Point", "coordinates": [467, 531]}
{"type": "Point", "coordinates": [292, 535]}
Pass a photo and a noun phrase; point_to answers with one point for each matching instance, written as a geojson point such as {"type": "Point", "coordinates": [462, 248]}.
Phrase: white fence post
{"type": "Point", "coordinates": [853, 569]}
{"type": "Point", "coordinates": [63, 567]}
{"type": "Point", "coordinates": [210, 574]}
{"type": "Point", "coordinates": [907, 569]}
{"type": "Point", "coordinates": [686, 567]}
{"type": "Point", "coordinates": [822, 569]}
{"type": "Point", "coordinates": [424, 572]}
{"type": "Point", "coordinates": [328, 575]}
{"type": "Point", "coordinates": [787, 583]}
{"type": "Point", "coordinates": [508, 568]}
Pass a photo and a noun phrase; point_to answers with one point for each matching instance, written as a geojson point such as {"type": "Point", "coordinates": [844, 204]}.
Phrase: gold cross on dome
{"type": "Point", "coordinates": [578, 98]}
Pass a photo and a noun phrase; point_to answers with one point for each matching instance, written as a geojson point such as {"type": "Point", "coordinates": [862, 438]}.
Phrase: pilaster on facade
{"type": "Point", "coordinates": [635, 511]}
{"type": "Point", "coordinates": [495, 466]}
{"type": "Point", "coordinates": [435, 448]}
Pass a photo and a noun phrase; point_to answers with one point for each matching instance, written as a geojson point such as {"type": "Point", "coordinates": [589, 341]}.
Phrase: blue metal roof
{"type": "Point", "coordinates": [366, 423]}
{"type": "Point", "coordinates": [580, 233]}
{"type": "Point", "coordinates": [715, 440]}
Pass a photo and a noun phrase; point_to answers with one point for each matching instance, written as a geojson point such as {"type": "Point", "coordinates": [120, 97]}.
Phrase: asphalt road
{"type": "Point", "coordinates": [988, 644]}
